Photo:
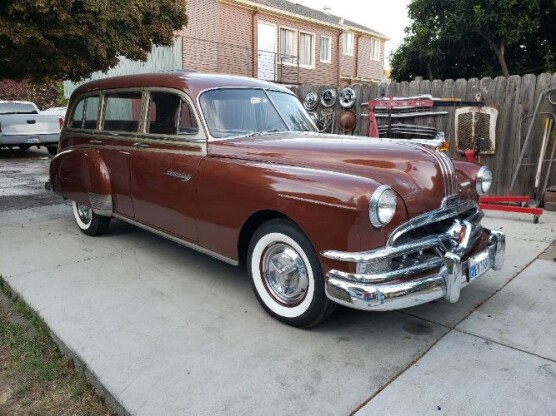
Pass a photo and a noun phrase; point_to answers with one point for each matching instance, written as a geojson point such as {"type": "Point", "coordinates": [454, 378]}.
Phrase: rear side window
{"type": "Point", "coordinates": [122, 111]}
{"type": "Point", "coordinates": [170, 114]}
{"type": "Point", "coordinates": [85, 113]}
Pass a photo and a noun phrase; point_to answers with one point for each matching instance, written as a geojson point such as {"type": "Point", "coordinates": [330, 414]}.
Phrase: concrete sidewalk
{"type": "Point", "coordinates": [166, 330]}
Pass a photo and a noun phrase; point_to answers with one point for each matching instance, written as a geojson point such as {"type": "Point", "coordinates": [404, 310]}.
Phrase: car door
{"type": "Point", "coordinates": [118, 134]}
{"type": "Point", "coordinates": [164, 164]}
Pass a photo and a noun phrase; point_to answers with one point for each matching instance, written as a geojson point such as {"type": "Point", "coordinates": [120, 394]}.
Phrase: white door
{"type": "Point", "coordinates": [266, 53]}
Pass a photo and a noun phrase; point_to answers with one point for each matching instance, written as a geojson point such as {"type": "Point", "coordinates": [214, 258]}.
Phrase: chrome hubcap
{"type": "Point", "coordinates": [284, 273]}
{"type": "Point", "coordinates": [85, 213]}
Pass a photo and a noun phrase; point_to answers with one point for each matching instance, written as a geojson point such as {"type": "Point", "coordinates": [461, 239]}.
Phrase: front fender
{"type": "Point", "coordinates": [82, 176]}
{"type": "Point", "coordinates": [330, 207]}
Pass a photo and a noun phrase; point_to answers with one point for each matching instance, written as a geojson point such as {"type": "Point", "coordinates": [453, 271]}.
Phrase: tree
{"type": "Point", "coordinates": [70, 39]}
{"type": "Point", "coordinates": [464, 38]}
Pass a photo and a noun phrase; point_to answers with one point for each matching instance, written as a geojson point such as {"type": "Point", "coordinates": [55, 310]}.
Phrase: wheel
{"type": "Point", "coordinates": [52, 150]}
{"type": "Point", "coordinates": [89, 222]}
{"type": "Point", "coordinates": [535, 219]}
{"type": "Point", "coordinates": [287, 276]}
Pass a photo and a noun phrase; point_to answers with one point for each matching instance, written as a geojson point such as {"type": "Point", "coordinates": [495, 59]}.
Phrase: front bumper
{"type": "Point", "coordinates": [373, 292]}
{"type": "Point", "coordinates": [29, 139]}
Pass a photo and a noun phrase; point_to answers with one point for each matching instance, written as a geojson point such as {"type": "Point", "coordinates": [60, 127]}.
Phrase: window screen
{"type": "Point", "coordinates": [306, 48]}
{"type": "Point", "coordinates": [325, 49]}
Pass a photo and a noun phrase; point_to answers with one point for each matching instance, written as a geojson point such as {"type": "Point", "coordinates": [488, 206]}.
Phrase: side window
{"type": "Point", "coordinates": [77, 116]}
{"type": "Point", "coordinates": [122, 111]}
{"type": "Point", "coordinates": [170, 114]}
{"type": "Point", "coordinates": [188, 123]}
{"type": "Point", "coordinates": [91, 113]}
{"type": "Point", "coordinates": [85, 113]}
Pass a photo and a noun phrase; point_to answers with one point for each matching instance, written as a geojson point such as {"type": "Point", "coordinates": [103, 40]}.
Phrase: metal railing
{"type": "Point", "coordinates": [210, 56]}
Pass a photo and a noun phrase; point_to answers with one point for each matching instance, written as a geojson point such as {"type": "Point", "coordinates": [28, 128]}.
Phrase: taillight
{"type": "Point", "coordinates": [61, 121]}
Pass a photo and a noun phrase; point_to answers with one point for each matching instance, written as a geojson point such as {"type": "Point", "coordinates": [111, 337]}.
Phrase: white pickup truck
{"type": "Point", "coordinates": [23, 126]}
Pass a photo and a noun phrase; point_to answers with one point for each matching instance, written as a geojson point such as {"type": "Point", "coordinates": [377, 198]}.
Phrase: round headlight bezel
{"type": "Point", "coordinates": [484, 177]}
{"type": "Point", "coordinates": [381, 199]}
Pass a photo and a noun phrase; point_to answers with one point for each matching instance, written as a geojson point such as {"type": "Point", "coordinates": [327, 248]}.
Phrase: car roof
{"type": "Point", "coordinates": [191, 82]}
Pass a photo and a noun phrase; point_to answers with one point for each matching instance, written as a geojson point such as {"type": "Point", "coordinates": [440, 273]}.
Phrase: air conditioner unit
{"type": "Point", "coordinates": [474, 123]}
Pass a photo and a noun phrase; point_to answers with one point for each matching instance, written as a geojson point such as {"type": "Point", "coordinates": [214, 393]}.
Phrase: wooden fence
{"type": "Point", "coordinates": [515, 99]}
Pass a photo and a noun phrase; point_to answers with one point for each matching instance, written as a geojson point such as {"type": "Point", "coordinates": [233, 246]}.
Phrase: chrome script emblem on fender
{"type": "Point", "coordinates": [183, 176]}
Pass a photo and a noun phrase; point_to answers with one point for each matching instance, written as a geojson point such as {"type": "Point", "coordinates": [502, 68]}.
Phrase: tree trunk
{"type": "Point", "coordinates": [499, 50]}
{"type": "Point", "coordinates": [501, 55]}
{"type": "Point", "coordinates": [429, 71]}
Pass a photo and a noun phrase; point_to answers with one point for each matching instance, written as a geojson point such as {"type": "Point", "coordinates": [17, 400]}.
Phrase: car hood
{"type": "Point", "coordinates": [413, 171]}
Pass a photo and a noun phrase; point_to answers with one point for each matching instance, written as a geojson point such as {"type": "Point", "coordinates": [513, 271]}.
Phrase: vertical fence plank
{"type": "Point", "coordinates": [504, 154]}
{"type": "Point", "coordinates": [526, 107]}
{"type": "Point", "coordinates": [459, 91]}
{"type": "Point", "coordinates": [473, 88]}
{"type": "Point", "coordinates": [363, 122]}
{"type": "Point", "coordinates": [438, 123]}
{"type": "Point", "coordinates": [498, 102]}
{"type": "Point", "coordinates": [414, 88]}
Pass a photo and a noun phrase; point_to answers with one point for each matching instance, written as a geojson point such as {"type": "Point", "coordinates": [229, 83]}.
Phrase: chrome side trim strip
{"type": "Point", "coordinates": [312, 201]}
{"type": "Point", "coordinates": [178, 240]}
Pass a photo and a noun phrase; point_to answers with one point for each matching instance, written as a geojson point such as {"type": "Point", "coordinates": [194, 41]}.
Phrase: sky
{"type": "Point", "coordinates": [387, 17]}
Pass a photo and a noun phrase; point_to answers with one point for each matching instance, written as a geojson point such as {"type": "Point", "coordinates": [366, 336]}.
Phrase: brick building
{"type": "Point", "coordinates": [280, 41]}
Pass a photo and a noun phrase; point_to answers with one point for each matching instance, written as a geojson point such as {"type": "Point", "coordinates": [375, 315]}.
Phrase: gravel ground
{"type": "Point", "coordinates": [22, 178]}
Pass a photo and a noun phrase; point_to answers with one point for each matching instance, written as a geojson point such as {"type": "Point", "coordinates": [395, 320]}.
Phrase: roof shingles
{"type": "Point", "coordinates": [307, 12]}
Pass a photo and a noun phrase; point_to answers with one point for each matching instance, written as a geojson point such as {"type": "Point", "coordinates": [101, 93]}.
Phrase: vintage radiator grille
{"type": "Point", "coordinates": [474, 123]}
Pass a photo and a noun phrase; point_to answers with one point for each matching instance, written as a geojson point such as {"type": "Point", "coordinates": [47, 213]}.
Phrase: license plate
{"type": "Point", "coordinates": [478, 265]}
{"type": "Point", "coordinates": [32, 139]}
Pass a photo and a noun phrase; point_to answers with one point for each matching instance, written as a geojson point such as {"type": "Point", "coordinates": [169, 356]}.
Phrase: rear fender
{"type": "Point", "coordinates": [82, 176]}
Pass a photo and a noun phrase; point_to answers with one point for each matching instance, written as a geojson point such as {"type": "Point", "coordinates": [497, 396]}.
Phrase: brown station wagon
{"type": "Point", "coordinates": [234, 167]}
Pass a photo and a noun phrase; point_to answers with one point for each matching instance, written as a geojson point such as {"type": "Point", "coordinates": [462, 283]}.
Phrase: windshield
{"type": "Point", "coordinates": [237, 112]}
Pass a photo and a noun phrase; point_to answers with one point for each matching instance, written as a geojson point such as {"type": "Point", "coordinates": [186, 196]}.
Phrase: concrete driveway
{"type": "Point", "coordinates": [164, 330]}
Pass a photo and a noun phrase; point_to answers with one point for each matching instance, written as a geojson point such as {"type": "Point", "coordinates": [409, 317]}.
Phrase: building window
{"type": "Point", "coordinates": [375, 49]}
{"type": "Point", "coordinates": [325, 49]}
{"type": "Point", "coordinates": [288, 50]}
{"type": "Point", "coordinates": [347, 41]}
{"type": "Point", "coordinates": [306, 49]}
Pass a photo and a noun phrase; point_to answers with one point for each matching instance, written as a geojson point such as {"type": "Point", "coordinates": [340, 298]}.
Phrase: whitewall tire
{"type": "Point", "coordinates": [286, 275]}
{"type": "Point", "coordinates": [89, 222]}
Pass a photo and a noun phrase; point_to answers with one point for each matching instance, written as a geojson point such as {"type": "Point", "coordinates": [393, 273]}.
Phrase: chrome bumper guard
{"type": "Point", "coordinates": [400, 290]}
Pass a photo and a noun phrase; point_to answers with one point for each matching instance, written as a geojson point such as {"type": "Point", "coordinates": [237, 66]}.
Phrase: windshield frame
{"type": "Point", "coordinates": [264, 90]}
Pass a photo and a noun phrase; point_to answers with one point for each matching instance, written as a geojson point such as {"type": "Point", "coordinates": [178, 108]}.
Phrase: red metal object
{"type": "Point", "coordinates": [507, 203]}
{"type": "Point", "coordinates": [470, 155]}
{"type": "Point", "coordinates": [507, 198]}
{"type": "Point", "coordinates": [401, 104]}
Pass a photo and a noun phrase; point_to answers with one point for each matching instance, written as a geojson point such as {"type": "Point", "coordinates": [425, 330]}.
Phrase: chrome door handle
{"type": "Point", "coordinates": [95, 141]}
{"type": "Point", "coordinates": [140, 145]}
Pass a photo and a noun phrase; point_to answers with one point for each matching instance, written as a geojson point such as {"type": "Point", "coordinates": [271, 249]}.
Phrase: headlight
{"type": "Point", "coordinates": [484, 180]}
{"type": "Point", "coordinates": [382, 206]}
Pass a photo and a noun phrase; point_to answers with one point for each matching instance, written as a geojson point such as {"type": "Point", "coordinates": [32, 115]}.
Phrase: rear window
{"type": "Point", "coordinates": [17, 108]}
{"type": "Point", "coordinates": [122, 111]}
{"type": "Point", "coordinates": [85, 114]}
